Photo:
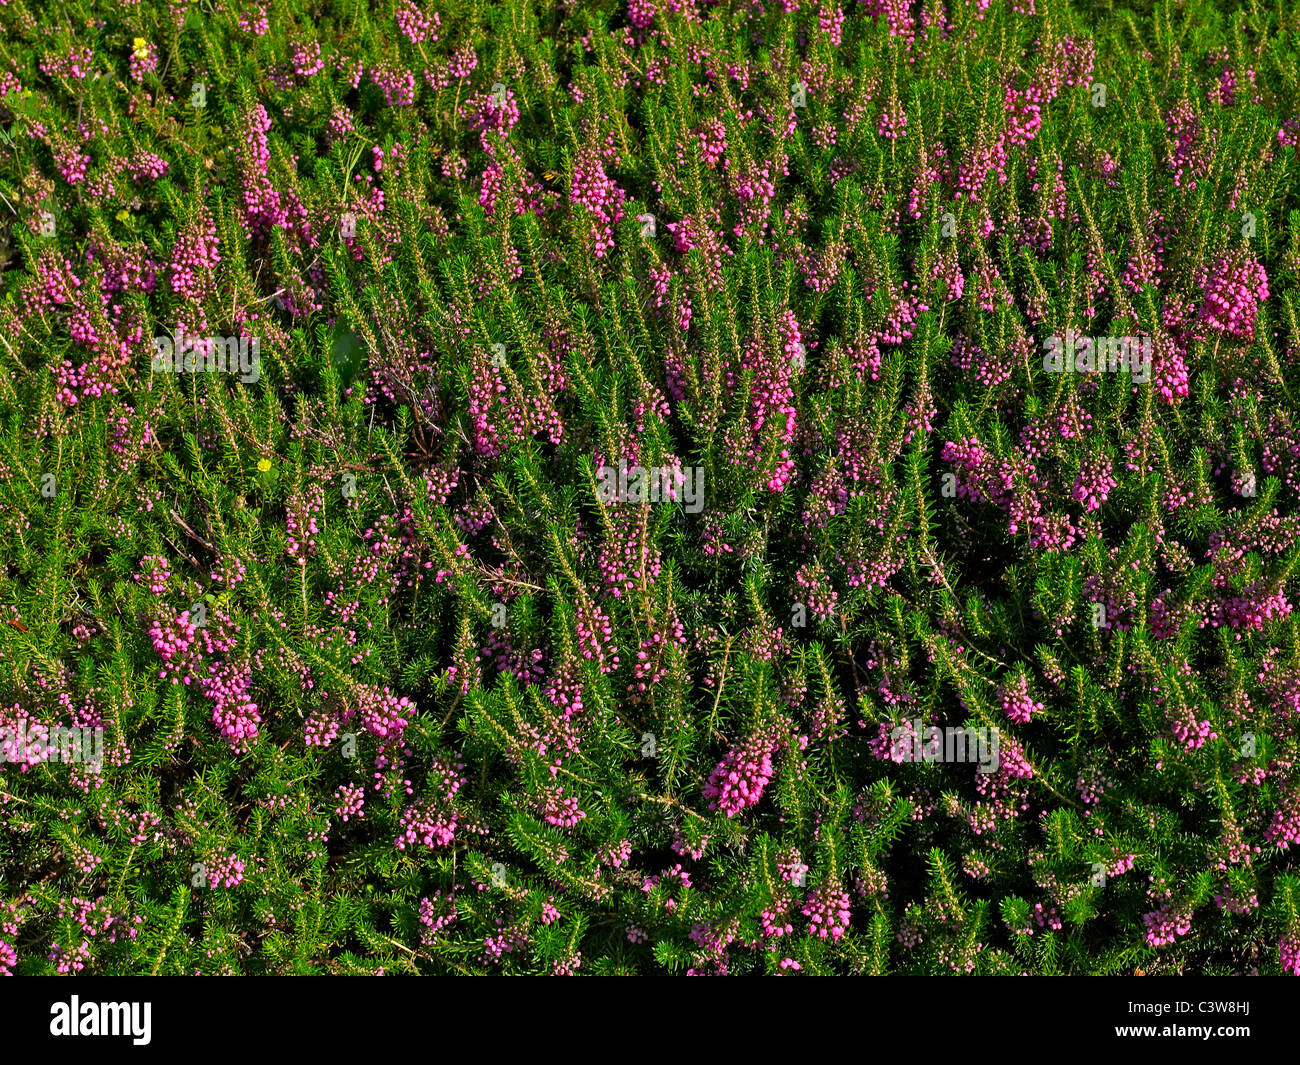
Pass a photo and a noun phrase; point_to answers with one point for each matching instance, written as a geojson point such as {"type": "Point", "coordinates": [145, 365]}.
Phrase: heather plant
{"type": "Point", "coordinates": [515, 486]}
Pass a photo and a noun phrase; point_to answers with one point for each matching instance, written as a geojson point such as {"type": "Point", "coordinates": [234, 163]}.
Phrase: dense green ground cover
{"type": "Point", "coordinates": [394, 673]}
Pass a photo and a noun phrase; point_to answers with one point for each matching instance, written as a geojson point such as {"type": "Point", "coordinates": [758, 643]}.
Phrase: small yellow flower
{"type": "Point", "coordinates": [264, 465]}
{"type": "Point", "coordinates": [141, 48]}
{"type": "Point", "coordinates": [123, 215]}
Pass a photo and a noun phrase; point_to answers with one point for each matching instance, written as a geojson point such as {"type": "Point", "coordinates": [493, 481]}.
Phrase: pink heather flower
{"type": "Point", "coordinates": [615, 855]}
{"type": "Point", "coordinates": [428, 822]}
{"type": "Point", "coordinates": [897, 16]}
{"type": "Point", "coordinates": [986, 158]}
{"type": "Point", "coordinates": [225, 871]}
{"type": "Point", "coordinates": [816, 591]}
{"type": "Point", "coordinates": [262, 208]}
{"type": "Point", "coordinates": [340, 125]}
{"type": "Point", "coordinates": [641, 13]}
{"type": "Point", "coordinates": [145, 166]}
{"type": "Point", "coordinates": [774, 919]}
{"type": "Point", "coordinates": [739, 779]}
{"type": "Point", "coordinates": [487, 116]}
{"type": "Point", "coordinates": [235, 716]}
{"type": "Point", "coordinates": [1169, 375]}
{"type": "Point", "coordinates": [489, 406]}
{"type": "Point", "coordinates": [822, 269]}
{"type": "Point", "coordinates": [194, 257]}
{"type": "Point", "coordinates": [652, 660]}
{"type": "Point", "coordinates": [96, 919]}
{"type": "Point", "coordinates": [626, 558]}
{"type": "Point", "coordinates": [76, 65]}
{"type": "Point", "coordinates": [791, 867]}
{"type": "Point", "coordinates": [1024, 114]}
{"type": "Point", "coordinates": [463, 62]}
{"type": "Point", "coordinates": [382, 714]}
{"type": "Point", "coordinates": [396, 83]}
{"type": "Point", "coordinates": [351, 800]}
{"type": "Point", "coordinates": [257, 25]}
{"type": "Point", "coordinates": [1012, 763]}
{"type": "Point", "coordinates": [1093, 484]}
{"type": "Point", "coordinates": [920, 409]}
{"type": "Point", "coordinates": [558, 809]}
{"type": "Point", "coordinates": [1234, 291]}
{"type": "Point", "coordinates": [1121, 865]}
{"type": "Point", "coordinates": [415, 25]}
{"type": "Point", "coordinates": [681, 846]}
{"type": "Point", "coordinates": [1288, 952]}
{"type": "Point", "coordinates": [1016, 701]}
{"type": "Point", "coordinates": [1167, 924]}
{"type": "Point", "coordinates": [567, 966]}
{"type": "Point", "coordinates": [885, 747]}
{"type": "Point", "coordinates": [143, 62]}
{"type": "Point", "coordinates": [772, 409]}
{"type": "Point", "coordinates": [1258, 604]}
{"type": "Point", "coordinates": [305, 57]}
{"type": "Point", "coordinates": [1285, 828]}
{"type": "Point", "coordinates": [321, 728]}
{"type": "Point", "coordinates": [595, 631]}
{"type": "Point", "coordinates": [303, 505]}
{"type": "Point", "coordinates": [714, 939]}
{"type": "Point", "coordinates": [494, 947]}
{"type": "Point", "coordinates": [691, 234]}
{"type": "Point", "coordinates": [1167, 617]}
{"type": "Point", "coordinates": [1091, 784]}
{"type": "Point", "coordinates": [1231, 900]}
{"type": "Point", "coordinates": [1041, 917]}
{"type": "Point", "coordinates": [675, 873]}
{"type": "Point", "coordinates": [971, 359]}
{"type": "Point", "coordinates": [830, 21]}
{"type": "Point", "coordinates": [754, 190]}
{"type": "Point", "coordinates": [154, 573]}
{"type": "Point", "coordinates": [893, 121]}
{"type": "Point", "coordinates": [436, 913]}
{"type": "Point", "coordinates": [1192, 153]}
{"type": "Point", "coordinates": [712, 136]}
{"type": "Point", "coordinates": [432, 821]}
{"type": "Point", "coordinates": [171, 640]}
{"type": "Point", "coordinates": [600, 198]}
{"type": "Point", "coordinates": [827, 910]}
{"type": "Point", "coordinates": [947, 272]}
